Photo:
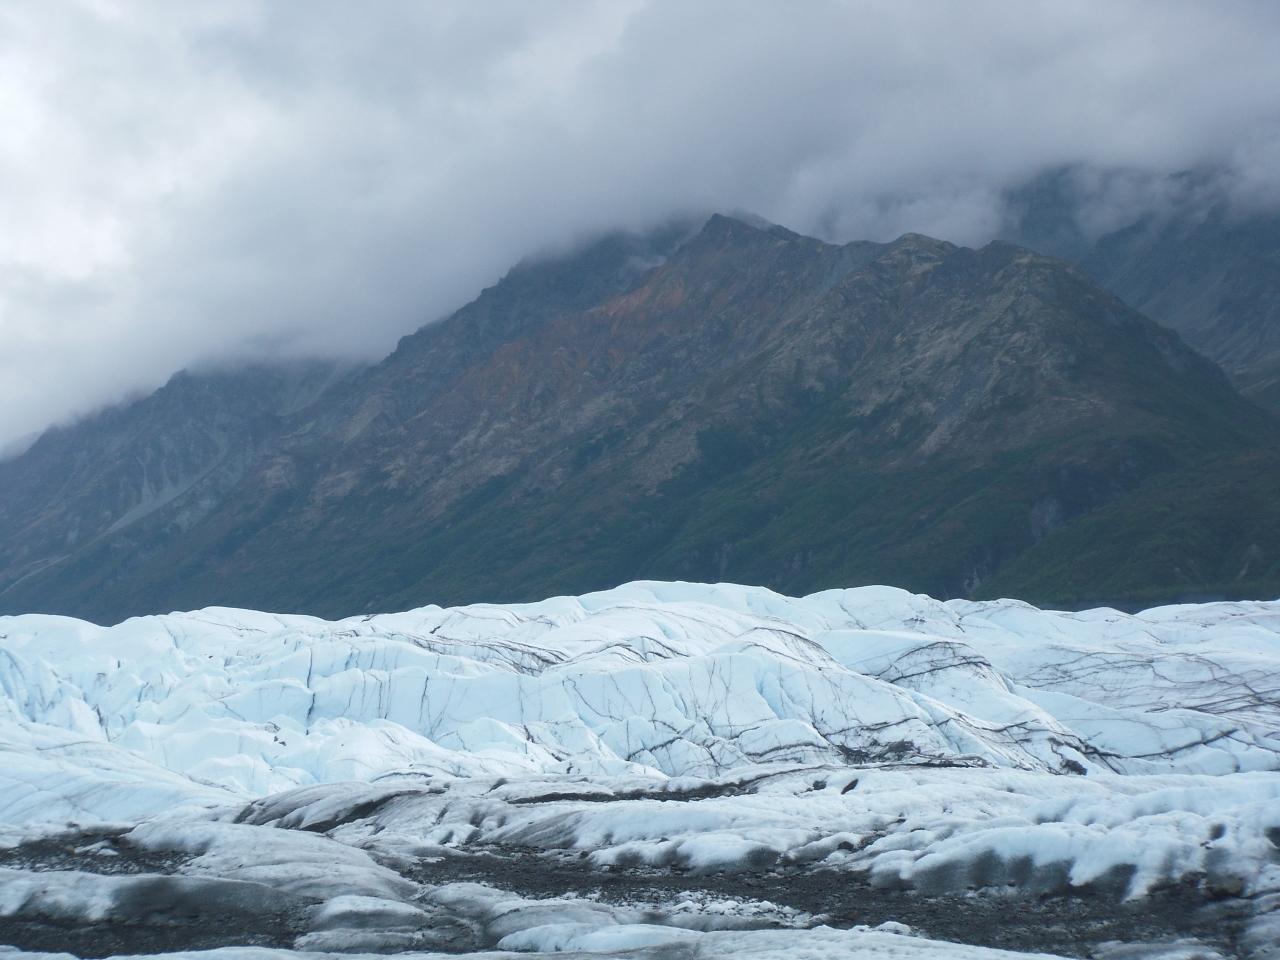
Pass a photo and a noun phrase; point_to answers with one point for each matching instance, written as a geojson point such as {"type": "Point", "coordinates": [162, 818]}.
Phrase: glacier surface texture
{"type": "Point", "coordinates": [661, 770]}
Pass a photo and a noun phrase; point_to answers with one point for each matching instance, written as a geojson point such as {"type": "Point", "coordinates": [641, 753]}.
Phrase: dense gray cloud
{"type": "Point", "coordinates": [182, 183]}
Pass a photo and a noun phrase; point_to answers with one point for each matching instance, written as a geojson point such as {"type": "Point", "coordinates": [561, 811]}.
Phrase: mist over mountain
{"type": "Point", "coordinates": [254, 182]}
{"type": "Point", "coordinates": [638, 478]}
{"type": "Point", "coordinates": [1192, 261]}
{"type": "Point", "coordinates": [741, 404]}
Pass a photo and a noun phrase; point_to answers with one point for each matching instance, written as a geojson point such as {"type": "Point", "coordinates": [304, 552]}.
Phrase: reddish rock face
{"type": "Point", "coordinates": [734, 402]}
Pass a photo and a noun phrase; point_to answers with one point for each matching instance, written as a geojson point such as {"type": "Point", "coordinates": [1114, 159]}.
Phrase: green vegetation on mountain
{"type": "Point", "coordinates": [742, 403]}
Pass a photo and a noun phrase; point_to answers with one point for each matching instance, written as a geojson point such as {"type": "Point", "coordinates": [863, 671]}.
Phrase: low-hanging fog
{"type": "Point", "coordinates": [189, 183]}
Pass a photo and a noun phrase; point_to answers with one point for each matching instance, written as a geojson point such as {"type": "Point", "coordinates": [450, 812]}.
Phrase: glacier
{"type": "Point", "coordinates": [661, 769]}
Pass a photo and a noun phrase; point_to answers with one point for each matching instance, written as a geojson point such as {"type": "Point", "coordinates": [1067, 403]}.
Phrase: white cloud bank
{"type": "Point", "coordinates": [187, 182]}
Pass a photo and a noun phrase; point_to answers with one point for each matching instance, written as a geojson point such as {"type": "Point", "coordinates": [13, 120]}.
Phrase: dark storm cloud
{"type": "Point", "coordinates": [183, 183]}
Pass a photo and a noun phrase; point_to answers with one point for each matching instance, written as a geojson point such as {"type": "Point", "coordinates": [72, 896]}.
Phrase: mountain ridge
{"type": "Point", "coordinates": [1197, 264]}
{"type": "Point", "coordinates": [743, 403]}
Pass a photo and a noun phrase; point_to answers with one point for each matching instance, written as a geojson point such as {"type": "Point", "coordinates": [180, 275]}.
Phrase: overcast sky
{"type": "Point", "coordinates": [186, 182]}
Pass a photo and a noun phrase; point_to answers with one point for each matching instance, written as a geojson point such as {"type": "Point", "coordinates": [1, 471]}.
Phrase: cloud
{"type": "Point", "coordinates": [182, 183]}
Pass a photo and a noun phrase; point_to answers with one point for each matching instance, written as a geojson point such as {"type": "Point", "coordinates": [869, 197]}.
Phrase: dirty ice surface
{"type": "Point", "coordinates": [661, 770]}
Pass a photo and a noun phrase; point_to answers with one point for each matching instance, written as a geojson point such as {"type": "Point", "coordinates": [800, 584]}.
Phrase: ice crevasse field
{"type": "Point", "coordinates": [662, 769]}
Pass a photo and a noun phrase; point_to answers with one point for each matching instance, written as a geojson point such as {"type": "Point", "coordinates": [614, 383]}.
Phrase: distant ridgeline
{"type": "Point", "coordinates": [759, 407]}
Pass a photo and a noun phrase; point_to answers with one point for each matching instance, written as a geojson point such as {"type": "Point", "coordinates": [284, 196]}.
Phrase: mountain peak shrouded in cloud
{"type": "Point", "coordinates": [256, 181]}
{"type": "Point", "coordinates": [737, 403]}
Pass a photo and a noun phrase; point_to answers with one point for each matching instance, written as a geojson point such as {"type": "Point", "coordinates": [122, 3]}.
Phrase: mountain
{"type": "Point", "coordinates": [1201, 268]}
{"type": "Point", "coordinates": [740, 403]}
{"type": "Point", "coordinates": [177, 453]}
{"type": "Point", "coordinates": [1215, 280]}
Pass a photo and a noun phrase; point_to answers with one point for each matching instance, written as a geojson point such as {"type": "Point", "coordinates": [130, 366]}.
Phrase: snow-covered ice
{"type": "Point", "coordinates": [691, 764]}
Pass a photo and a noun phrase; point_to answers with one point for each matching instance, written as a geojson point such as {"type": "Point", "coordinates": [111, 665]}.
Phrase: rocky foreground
{"type": "Point", "coordinates": [661, 770]}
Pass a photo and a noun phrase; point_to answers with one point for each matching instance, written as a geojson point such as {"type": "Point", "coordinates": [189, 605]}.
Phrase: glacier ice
{"type": "Point", "coordinates": [374, 777]}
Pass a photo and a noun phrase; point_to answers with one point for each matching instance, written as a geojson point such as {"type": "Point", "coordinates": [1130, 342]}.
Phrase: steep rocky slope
{"type": "Point", "coordinates": [1215, 280]}
{"type": "Point", "coordinates": [176, 453]}
{"type": "Point", "coordinates": [743, 403]}
{"type": "Point", "coordinates": [1198, 266]}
